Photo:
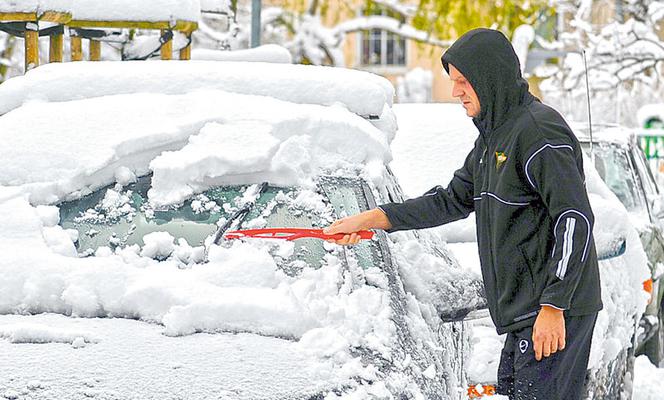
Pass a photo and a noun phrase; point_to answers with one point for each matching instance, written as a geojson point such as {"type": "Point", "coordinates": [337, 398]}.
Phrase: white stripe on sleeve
{"type": "Point", "coordinates": [568, 243]}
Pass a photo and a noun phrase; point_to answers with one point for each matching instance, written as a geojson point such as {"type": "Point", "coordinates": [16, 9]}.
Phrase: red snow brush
{"type": "Point", "coordinates": [291, 234]}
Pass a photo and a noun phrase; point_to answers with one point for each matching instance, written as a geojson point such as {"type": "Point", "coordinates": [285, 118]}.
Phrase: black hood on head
{"type": "Point", "coordinates": [486, 58]}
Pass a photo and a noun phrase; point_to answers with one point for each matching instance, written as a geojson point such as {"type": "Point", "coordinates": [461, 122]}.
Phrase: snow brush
{"type": "Point", "coordinates": [291, 234]}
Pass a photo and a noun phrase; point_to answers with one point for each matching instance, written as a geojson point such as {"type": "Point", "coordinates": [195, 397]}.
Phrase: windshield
{"type": "Point", "coordinates": [613, 164]}
{"type": "Point", "coordinates": [118, 217]}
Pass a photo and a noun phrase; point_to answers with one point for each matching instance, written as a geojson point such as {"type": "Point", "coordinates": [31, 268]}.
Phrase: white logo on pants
{"type": "Point", "coordinates": [523, 345]}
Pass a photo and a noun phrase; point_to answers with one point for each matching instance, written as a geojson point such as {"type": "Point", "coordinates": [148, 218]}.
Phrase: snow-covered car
{"type": "Point", "coordinates": [110, 195]}
{"type": "Point", "coordinates": [622, 165]}
{"type": "Point", "coordinates": [427, 152]}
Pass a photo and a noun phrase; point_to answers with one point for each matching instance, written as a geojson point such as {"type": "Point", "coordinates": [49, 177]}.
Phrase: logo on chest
{"type": "Point", "coordinates": [501, 157]}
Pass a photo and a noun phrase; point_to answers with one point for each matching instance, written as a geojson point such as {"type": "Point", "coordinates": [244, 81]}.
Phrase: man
{"type": "Point", "coordinates": [524, 180]}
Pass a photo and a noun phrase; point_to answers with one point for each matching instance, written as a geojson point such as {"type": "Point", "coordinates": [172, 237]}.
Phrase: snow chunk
{"type": "Point", "coordinates": [49, 215]}
{"type": "Point", "coordinates": [264, 311]}
{"type": "Point", "coordinates": [271, 53]}
{"type": "Point", "coordinates": [36, 333]}
{"type": "Point", "coordinates": [159, 245]}
{"type": "Point", "coordinates": [124, 176]}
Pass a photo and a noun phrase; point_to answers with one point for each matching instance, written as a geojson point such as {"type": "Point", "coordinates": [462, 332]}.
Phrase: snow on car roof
{"type": "Point", "coordinates": [116, 10]}
{"type": "Point", "coordinates": [187, 140]}
{"type": "Point", "coordinates": [612, 133]}
{"type": "Point", "coordinates": [361, 92]}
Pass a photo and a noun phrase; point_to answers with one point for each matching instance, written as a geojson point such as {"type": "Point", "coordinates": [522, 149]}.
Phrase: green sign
{"type": "Point", "coordinates": [653, 146]}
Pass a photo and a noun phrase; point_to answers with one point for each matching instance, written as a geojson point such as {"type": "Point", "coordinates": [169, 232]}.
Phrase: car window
{"type": "Point", "coordinates": [614, 166]}
{"type": "Point", "coordinates": [348, 197]}
{"type": "Point", "coordinates": [644, 172]}
{"type": "Point", "coordinates": [121, 216]}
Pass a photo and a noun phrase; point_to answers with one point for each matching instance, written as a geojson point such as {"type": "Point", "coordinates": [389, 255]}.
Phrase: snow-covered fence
{"type": "Point", "coordinates": [90, 19]}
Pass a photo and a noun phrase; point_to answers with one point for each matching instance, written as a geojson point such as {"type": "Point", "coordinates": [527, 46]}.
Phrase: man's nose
{"type": "Point", "coordinates": [456, 91]}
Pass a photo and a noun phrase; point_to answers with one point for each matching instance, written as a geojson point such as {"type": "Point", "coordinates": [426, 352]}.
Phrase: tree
{"type": "Point", "coordinates": [624, 57]}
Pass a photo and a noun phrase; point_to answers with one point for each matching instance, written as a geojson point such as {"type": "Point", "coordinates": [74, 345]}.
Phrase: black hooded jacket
{"type": "Point", "coordinates": [524, 179]}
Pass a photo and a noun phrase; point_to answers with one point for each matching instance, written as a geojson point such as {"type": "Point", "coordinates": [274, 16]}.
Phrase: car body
{"type": "Point", "coordinates": [434, 151]}
{"type": "Point", "coordinates": [622, 165]}
{"type": "Point", "coordinates": [110, 278]}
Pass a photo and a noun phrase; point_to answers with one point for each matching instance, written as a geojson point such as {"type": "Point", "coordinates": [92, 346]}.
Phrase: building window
{"type": "Point", "coordinates": [380, 47]}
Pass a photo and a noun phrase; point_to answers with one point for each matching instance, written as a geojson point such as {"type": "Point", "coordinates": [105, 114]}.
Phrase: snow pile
{"type": "Point", "coordinates": [36, 333]}
{"type": "Point", "coordinates": [361, 92]}
{"type": "Point", "coordinates": [250, 134]}
{"type": "Point", "coordinates": [271, 53]}
{"type": "Point", "coordinates": [282, 152]}
{"type": "Point", "coordinates": [241, 289]}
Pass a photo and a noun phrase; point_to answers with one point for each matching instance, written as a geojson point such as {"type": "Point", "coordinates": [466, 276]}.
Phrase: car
{"type": "Point", "coordinates": [111, 277]}
{"type": "Point", "coordinates": [622, 165]}
{"type": "Point", "coordinates": [430, 155]}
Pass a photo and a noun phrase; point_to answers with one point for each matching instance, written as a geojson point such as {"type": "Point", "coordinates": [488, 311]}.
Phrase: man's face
{"type": "Point", "coordinates": [461, 88]}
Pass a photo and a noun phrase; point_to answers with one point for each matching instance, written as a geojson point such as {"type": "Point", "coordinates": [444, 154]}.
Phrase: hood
{"type": "Point", "coordinates": [486, 58]}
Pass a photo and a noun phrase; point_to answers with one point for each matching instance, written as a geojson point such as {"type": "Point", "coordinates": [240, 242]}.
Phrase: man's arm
{"type": "Point", "coordinates": [553, 170]}
{"type": "Point", "coordinates": [436, 207]}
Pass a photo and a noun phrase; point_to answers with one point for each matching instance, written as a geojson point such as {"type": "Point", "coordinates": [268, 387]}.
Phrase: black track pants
{"type": "Point", "coordinates": [560, 376]}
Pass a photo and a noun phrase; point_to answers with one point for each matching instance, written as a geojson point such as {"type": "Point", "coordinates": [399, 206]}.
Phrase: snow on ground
{"type": "Point", "coordinates": [361, 92]}
{"type": "Point", "coordinates": [271, 53]}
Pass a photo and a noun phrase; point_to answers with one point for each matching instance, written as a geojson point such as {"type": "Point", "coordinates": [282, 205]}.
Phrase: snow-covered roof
{"type": "Point", "coordinates": [610, 133]}
{"type": "Point", "coordinates": [111, 10]}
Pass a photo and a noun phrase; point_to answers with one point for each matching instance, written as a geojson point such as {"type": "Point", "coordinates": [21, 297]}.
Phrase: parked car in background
{"type": "Point", "coordinates": [622, 165]}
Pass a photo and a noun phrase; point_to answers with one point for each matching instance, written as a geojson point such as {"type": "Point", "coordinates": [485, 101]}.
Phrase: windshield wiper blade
{"type": "Point", "coordinates": [237, 217]}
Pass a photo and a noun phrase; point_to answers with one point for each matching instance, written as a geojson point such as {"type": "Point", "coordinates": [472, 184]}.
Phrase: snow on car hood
{"type": "Point", "coordinates": [190, 139]}
{"type": "Point", "coordinates": [322, 312]}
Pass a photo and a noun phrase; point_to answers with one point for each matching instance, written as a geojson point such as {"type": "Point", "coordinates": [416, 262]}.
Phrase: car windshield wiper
{"type": "Point", "coordinates": [237, 217]}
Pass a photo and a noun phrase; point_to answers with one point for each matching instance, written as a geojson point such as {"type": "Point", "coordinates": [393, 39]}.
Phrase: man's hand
{"type": "Point", "coordinates": [372, 219]}
{"type": "Point", "coordinates": [548, 332]}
